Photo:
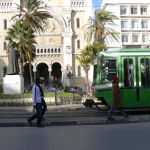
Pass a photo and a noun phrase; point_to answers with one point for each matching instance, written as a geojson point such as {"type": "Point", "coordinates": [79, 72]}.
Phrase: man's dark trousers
{"type": "Point", "coordinates": [44, 107]}
{"type": "Point", "coordinates": [38, 114]}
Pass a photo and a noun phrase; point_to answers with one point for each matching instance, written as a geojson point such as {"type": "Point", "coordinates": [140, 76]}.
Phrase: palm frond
{"type": "Point", "coordinates": [101, 28]}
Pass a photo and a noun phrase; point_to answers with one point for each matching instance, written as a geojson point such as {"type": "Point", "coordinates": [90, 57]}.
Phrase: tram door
{"type": "Point", "coordinates": [136, 81]}
{"type": "Point", "coordinates": [144, 80]}
{"type": "Point", "coordinates": [128, 71]}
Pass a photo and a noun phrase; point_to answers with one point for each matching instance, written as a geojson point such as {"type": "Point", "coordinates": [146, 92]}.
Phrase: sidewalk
{"type": "Point", "coordinates": [71, 114]}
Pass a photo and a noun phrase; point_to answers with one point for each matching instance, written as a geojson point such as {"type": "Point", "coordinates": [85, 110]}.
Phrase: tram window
{"type": "Point", "coordinates": [145, 71]}
{"type": "Point", "coordinates": [108, 70]}
{"type": "Point", "coordinates": [128, 72]}
{"type": "Point", "coordinates": [95, 73]}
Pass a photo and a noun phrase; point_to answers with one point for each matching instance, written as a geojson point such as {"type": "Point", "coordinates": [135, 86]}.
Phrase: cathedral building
{"type": "Point", "coordinates": [57, 46]}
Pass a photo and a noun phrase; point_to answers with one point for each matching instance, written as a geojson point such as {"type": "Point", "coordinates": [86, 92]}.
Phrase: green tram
{"type": "Point", "coordinates": [133, 69]}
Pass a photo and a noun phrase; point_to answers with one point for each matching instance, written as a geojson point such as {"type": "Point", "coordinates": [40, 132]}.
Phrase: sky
{"type": "Point", "coordinates": [96, 3]}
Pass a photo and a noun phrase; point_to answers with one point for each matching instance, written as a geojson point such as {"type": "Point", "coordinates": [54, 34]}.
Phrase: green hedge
{"type": "Point", "coordinates": [9, 99]}
{"type": "Point", "coordinates": [29, 95]}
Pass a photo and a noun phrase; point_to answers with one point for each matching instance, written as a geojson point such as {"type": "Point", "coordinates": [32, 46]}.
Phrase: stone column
{"type": "Point", "coordinates": [49, 70]}
{"type": "Point", "coordinates": [62, 75]}
{"type": "Point", "coordinates": [67, 48]}
{"type": "Point", "coordinates": [68, 54]}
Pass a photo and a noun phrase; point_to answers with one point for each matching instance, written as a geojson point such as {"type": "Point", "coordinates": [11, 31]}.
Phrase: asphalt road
{"type": "Point", "coordinates": [102, 137]}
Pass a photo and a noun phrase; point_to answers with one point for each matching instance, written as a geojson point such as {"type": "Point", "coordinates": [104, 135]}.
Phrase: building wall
{"type": "Point", "coordinates": [133, 23]}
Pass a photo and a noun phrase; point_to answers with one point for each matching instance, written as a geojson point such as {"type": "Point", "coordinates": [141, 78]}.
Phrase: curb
{"type": "Point", "coordinates": [79, 122]}
{"type": "Point", "coordinates": [17, 117]}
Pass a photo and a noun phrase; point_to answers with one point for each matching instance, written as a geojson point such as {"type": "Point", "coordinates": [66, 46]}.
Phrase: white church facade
{"type": "Point", "coordinates": [57, 46]}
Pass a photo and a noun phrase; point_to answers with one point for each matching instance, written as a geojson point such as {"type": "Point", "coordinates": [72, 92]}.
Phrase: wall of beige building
{"type": "Point", "coordinates": [6, 15]}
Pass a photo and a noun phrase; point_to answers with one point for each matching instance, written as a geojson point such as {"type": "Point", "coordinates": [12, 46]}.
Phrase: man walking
{"type": "Point", "coordinates": [44, 106]}
{"type": "Point", "coordinates": [37, 100]}
{"type": "Point", "coordinates": [116, 99]}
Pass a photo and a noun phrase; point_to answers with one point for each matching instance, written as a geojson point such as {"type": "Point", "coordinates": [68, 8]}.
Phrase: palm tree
{"type": "Point", "coordinates": [85, 59]}
{"type": "Point", "coordinates": [32, 12]}
{"type": "Point", "coordinates": [101, 28]}
{"type": "Point", "coordinates": [101, 31]}
{"type": "Point", "coordinates": [32, 16]}
{"type": "Point", "coordinates": [29, 56]}
{"type": "Point", "coordinates": [21, 37]}
{"type": "Point", "coordinates": [30, 50]}
{"type": "Point", "coordinates": [92, 50]}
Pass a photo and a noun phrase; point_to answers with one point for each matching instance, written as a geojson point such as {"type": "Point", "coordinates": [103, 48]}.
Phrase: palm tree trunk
{"type": "Point", "coordinates": [21, 67]}
{"type": "Point", "coordinates": [86, 68]}
{"type": "Point", "coordinates": [30, 70]}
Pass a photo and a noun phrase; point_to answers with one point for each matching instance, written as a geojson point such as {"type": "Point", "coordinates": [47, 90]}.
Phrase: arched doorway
{"type": "Point", "coordinates": [26, 75]}
{"type": "Point", "coordinates": [56, 73]}
{"type": "Point", "coordinates": [42, 71]}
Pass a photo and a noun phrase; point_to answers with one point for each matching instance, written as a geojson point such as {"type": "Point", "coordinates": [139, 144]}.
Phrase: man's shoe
{"type": "Point", "coordinates": [30, 122]}
{"type": "Point", "coordinates": [126, 116]}
{"type": "Point", "coordinates": [110, 118]}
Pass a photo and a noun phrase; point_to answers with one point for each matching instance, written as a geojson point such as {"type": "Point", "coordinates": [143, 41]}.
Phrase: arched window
{"type": "Point", "coordinates": [78, 44]}
{"type": "Point", "coordinates": [79, 71]}
{"type": "Point", "coordinates": [5, 24]}
{"type": "Point", "coordinates": [78, 23]}
{"type": "Point", "coordinates": [55, 50]}
{"type": "Point", "coordinates": [4, 46]}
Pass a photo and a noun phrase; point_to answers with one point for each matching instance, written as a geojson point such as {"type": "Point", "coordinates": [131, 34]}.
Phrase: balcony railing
{"type": "Point", "coordinates": [49, 50]}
